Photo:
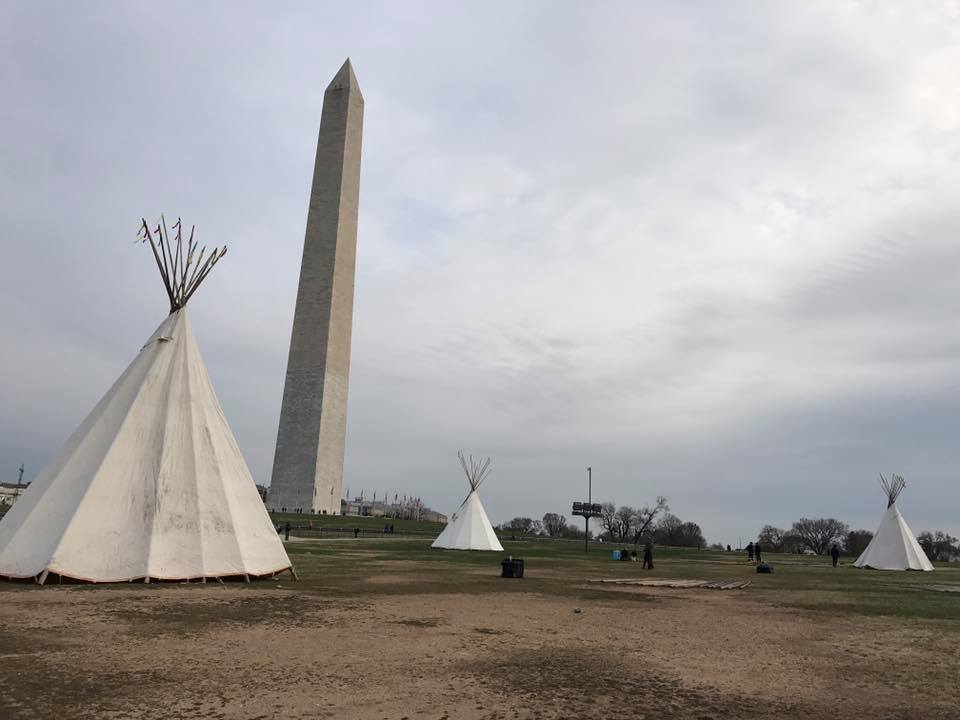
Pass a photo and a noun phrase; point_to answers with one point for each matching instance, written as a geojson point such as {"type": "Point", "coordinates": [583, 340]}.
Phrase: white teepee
{"type": "Point", "coordinates": [469, 527]}
{"type": "Point", "coordinates": [893, 546]}
{"type": "Point", "coordinates": [152, 484]}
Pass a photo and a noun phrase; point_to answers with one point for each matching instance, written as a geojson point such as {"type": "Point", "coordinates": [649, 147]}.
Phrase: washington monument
{"type": "Point", "coordinates": [308, 463]}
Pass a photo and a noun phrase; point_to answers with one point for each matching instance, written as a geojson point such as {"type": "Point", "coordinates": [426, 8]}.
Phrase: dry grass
{"type": "Point", "coordinates": [386, 630]}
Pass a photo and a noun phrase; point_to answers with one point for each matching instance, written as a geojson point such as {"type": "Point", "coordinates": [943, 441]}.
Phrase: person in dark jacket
{"type": "Point", "coordinates": [286, 531]}
{"type": "Point", "coordinates": [756, 551]}
{"type": "Point", "coordinates": [835, 554]}
{"type": "Point", "coordinates": [750, 552]}
{"type": "Point", "coordinates": [648, 556]}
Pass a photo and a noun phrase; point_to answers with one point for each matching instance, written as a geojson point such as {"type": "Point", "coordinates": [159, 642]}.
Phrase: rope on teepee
{"type": "Point", "coordinates": [181, 272]}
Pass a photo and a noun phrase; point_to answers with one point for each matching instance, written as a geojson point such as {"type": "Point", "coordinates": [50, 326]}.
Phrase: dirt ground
{"type": "Point", "coordinates": [271, 651]}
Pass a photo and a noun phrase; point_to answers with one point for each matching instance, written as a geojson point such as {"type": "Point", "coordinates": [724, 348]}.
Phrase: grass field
{"type": "Point", "coordinates": [560, 569]}
{"type": "Point", "coordinates": [385, 627]}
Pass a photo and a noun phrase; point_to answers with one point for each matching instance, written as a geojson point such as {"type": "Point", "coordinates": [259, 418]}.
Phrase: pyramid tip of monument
{"type": "Point", "coordinates": [345, 78]}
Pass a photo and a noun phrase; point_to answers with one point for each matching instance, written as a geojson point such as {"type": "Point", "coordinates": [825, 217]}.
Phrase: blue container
{"type": "Point", "coordinates": [616, 554]}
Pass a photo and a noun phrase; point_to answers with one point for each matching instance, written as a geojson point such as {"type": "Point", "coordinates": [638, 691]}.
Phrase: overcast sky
{"type": "Point", "coordinates": [709, 249]}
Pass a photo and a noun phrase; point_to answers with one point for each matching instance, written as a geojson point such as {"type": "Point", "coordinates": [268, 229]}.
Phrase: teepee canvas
{"type": "Point", "coordinates": [469, 527]}
{"type": "Point", "coordinates": [894, 546]}
{"type": "Point", "coordinates": [152, 484]}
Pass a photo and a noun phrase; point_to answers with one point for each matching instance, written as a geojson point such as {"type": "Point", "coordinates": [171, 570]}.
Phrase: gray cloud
{"type": "Point", "coordinates": [707, 249]}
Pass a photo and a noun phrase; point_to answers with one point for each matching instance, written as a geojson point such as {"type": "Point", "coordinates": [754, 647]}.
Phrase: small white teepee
{"type": "Point", "coordinates": [152, 485]}
{"type": "Point", "coordinates": [469, 527]}
{"type": "Point", "coordinates": [893, 546]}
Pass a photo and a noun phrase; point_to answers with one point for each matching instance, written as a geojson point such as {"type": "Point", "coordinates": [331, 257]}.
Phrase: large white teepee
{"type": "Point", "coordinates": [893, 546]}
{"type": "Point", "coordinates": [469, 527]}
{"type": "Point", "coordinates": [152, 484]}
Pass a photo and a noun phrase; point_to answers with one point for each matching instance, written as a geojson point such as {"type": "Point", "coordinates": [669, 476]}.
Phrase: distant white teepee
{"type": "Point", "coordinates": [893, 546]}
{"type": "Point", "coordinates": [469, 527]}
{"type": "Point", "coordinates": [152, 484]}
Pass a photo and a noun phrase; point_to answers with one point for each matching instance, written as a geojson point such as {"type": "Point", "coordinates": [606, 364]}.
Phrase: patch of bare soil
{"type": "Point", "coordinates": [266, 652]}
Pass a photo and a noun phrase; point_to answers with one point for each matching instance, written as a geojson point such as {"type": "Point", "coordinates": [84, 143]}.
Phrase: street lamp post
{"type": "Point", "coordinates": [587, 510]}
{"type": "Point", "coordinates": [586, 518]}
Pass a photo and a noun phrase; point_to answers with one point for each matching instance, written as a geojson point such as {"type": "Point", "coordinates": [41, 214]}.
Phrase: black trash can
{"type": "Point", "coordinates": [512, 568]}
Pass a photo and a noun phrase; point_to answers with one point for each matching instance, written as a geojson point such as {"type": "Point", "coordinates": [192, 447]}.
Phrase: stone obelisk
{"type": "Point", "coordinates": [308, 463]}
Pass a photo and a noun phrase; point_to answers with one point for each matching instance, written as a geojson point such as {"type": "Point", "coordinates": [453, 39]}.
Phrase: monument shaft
{"type": "Point", "coordinates": [308, 463]}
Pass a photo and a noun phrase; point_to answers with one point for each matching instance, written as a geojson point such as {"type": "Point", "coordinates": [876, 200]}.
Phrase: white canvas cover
{"type": "Point", "coordinates": [893, 546]}
{"type": "Point", "coordinates": [151, 485]}
{"type": "Point", "coordinates": [469, 528]}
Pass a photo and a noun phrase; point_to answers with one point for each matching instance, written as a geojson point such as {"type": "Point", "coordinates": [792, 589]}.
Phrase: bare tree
{"type": "Point", "coordinates": [522, 526]}
{"type": "Point", "coordinates": [939, 546]}
{"type": "Point", "coordinates": [554, 524]}
{"type": "Point", "coordinates": [672, 531]}
{"type": "Point", "coordinates": [771, 538]}
{"type": "Point", "coordinates": [690, 535]}
{"type": "Point", "coordinates": [608, 519]}
{"type": "Point", "coordinates": [856, 542]}
{"type": "Point", "coordinates": [645, 516]}
{"type": "Point", "coordinates": [624, 522]}
{"type": "Point", "coordinates": [820, 533]}
{"type": "Point", "coordinates": [667, 530]}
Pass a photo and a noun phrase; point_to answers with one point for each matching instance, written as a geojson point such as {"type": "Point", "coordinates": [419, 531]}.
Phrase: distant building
{"type": "Point", "coordinates": [411, 509]}
{"type": "Point", "coordinates": [399, 509]}
{"type": "Point", "coordinates": [793, 544]}
{"type": "Point", "coordinates": [429, 515]}
{"type": "Point", "coordinates": [9, 492]}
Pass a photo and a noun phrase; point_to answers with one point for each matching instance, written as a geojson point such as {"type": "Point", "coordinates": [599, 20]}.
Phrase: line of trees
{"type": "Point", "coordinates": [674, 532]}
{"type": "Point", "coordinates": [552, 525]}
{"type": "Point", "coordinates": [630, 525]}
{"type": "Point", "coordinates": [819, 535]}
{"type": "Point", "coordinates": [653, 522]}
{"type": "Point", "coordinates": [618, 524]}
{"type": "Point", "coordinates": [939, 546]}
{"type": "Point", "coordinates": [627, 524]}
{"type": "Point", "coordinates": [522, 526]}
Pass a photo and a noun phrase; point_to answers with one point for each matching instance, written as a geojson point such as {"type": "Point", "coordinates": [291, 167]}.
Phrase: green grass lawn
{"type": "Point", "coordinates": [345, 568]}
{"type": "Point", "coordinates": [339, 565]}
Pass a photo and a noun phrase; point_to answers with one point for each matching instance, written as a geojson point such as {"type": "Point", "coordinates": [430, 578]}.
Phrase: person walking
{"type": "Point", "coordinates": [286, 531]}
{"type": "Point", "coordinates": [756, 551]}
{"type": "Point", "coordinates": [750, 552]}
{"type": "Point", "coordinates": [835, 554]}
{"type": "Point", "coordinates": [648, 556]}
{"type": "Point", "coordinates": [356, 532]}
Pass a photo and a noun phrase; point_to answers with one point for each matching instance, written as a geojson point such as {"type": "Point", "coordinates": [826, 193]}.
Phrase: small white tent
{"type": "Point", "coordinates": [893, 546]}
{"type": "Point", "coordinates": [469, 527]}
{"type": "Point", "coordinates": [152, 484]}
